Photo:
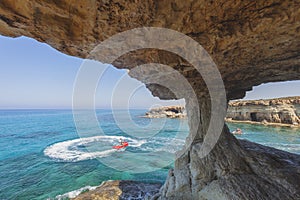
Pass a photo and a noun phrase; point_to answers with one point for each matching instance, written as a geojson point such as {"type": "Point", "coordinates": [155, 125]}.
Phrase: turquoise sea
{"type": "Point", "coordinates": [42, 156]}
{"type": "Point", "coordinates": [283, 138]}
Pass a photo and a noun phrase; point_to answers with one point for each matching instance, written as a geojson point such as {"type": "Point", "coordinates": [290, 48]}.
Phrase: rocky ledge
{"type": "Point", "coordinates": [280, 111]}
{"type": "Point", "coordinates": [166, 112]}
{"type": "Point", "coordinates": [121, 190]}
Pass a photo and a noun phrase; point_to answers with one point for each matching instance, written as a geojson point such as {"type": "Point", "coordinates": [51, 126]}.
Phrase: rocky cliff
{"type": "Point", "coordinates": [281, 110]}
{"type": "Point", "coordinates": [251, 42]}
{"type": "Point", "coordinates": [167, 111]}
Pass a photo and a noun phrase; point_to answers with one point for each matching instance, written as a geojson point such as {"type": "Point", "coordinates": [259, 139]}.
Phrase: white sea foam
{"type": "Point", "coordinates": [101, 146]}
{"type": "Point", "coordinates": [75, 193]}
{"type": "Point", "coordinates": [144, 192]}
{"type": "Point", "coordinates": [164, 144]}
{"type": "Point", "coordinates": [70, 151]}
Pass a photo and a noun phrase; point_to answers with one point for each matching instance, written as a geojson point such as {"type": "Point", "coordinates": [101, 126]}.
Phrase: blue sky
{"type": "Point", "coordinates": [34, 75]}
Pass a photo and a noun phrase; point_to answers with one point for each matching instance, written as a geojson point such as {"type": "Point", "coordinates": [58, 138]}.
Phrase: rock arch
{"type": "Point", "coordinates": [252, 42]}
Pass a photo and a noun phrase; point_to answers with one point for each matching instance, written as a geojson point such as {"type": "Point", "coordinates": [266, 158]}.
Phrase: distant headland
{"type": "Point", "coordinates": [166, 112]}
{"type": "Point", "coordinates": [278, 111]}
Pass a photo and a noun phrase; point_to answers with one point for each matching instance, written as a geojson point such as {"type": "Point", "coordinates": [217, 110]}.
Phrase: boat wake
{"type": "Point", "coordinates": [87, 148]}
{"type": "Point", "coordinates": [101, 146]}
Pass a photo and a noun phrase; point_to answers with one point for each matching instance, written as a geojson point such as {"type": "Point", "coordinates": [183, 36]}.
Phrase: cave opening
{"type": "Point", "coordinates": [247, 55]}
{"type": "Point", "coordinates": [268, 110]}
{"type": "Point", "coordinates": [50, 88]}
{"type": "Point", "coordinates": [253, 116]}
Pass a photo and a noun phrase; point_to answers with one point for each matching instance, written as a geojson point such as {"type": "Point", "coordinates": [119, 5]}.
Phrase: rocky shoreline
{"type": "Point", "coordinates": [121, 190]}
{"type": "Point", "coordinates": [262, 123]}
{"type": "Point", "coordinates": [276, 112]}
{"type": "Point", "coordinates": [283, 112]}
{"type": "Point", "coordinates": [166, 112]}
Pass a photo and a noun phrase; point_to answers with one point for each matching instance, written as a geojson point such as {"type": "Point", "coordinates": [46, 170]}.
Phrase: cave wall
{"type": "Point", "coordinates": [252, 42]}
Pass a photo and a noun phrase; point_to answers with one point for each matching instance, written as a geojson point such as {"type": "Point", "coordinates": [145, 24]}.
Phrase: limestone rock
{"type": "Point", "coordinates": [252, 172]}
{"type": "Point", "coordinates": [121, 190]}
{"type": "Point", "coordinates": [252, 42]}
{"type": "Point", "coordinates": [166, 112]}
{"type": "Point", "coordinates": [280, 110]}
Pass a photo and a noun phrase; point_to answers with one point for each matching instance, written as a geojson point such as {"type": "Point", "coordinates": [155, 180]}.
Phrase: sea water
{"type": "Point", "coordinates": [283, 138]}
{"type": "Point", "coordinates": [42, 155]}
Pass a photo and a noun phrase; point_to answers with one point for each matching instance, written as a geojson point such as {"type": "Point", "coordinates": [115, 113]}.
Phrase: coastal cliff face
{"type": "Point", "coordinates": [281, 110]}
{"type": "Point", "coordinates": [252, 42]}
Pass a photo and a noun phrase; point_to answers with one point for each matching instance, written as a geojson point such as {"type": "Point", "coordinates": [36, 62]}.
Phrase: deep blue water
{"type": "Point", "coordinates": [41, 155]}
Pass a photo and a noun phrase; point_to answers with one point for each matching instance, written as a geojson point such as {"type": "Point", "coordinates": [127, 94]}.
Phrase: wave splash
{"type": "Point", "coordinates": [74, 193]}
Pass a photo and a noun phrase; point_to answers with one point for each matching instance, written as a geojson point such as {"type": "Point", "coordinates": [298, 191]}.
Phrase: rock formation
{"type": "Point", "coordinates": [251, 42]}
{"type": "Point", "coordinates": [166, 111]}
{"type": "Point", "coordinates": [281, 110]}
{"type": "Point", "coordinates": [121, 190]}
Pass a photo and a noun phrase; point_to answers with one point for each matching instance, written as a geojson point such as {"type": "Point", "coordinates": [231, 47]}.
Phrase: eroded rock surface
{"type": "Point", "coordinates": [121, 190]}
{"type": "Point", "coordinates": [252, 42]}
{"type": "Point", "coordinates": [234, 170]}
{"type": "Point", "coordinates": [166, 111]}
{"type": "Point", "coordinates": [281, 110]}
